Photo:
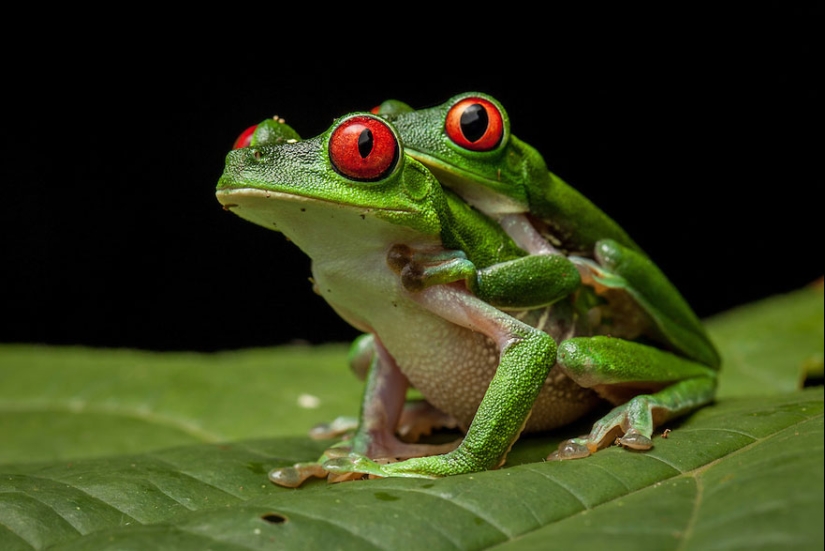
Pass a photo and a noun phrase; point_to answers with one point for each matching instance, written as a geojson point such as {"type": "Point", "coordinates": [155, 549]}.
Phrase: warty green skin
{"type": "Point", "coordinates": [513, 178]}
{"type": "Point", "coordinates": [498, 271]}
{"type": "Point", "coordinates": [354, 233]}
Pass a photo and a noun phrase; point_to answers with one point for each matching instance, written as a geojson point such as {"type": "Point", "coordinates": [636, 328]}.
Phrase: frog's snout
{"type": "Point", "coordinates": [237, 165]}
{"type": "Point", "coordinates": [240, 158]}
{"type": "Point", "coordinates": [234, 164]}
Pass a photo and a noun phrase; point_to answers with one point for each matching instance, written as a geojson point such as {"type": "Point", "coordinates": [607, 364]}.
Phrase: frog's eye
{"type": "Point", "coordinates": [475, 124]}
{"type": "Point", "coordinates": [363, 148]}
{"type": "Point", "coordinates": [245, 138]}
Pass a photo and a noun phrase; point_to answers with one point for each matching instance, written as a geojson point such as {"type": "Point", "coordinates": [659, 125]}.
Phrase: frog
{"type": "Point", "coordinates": [522, 286]}
{"type": "Point", "coordinates": [394, 250]}
{"type": "Point", "coordinates": [468, 144]}
{"type": "Point", "coordinates": [516, 282]}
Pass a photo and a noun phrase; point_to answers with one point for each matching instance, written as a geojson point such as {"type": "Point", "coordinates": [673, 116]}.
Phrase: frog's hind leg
{"type": "Point", "coordinates": [526, 355]}
{"type": "Point", "coordinates": [381, 411]}
{"type": "Point", "coordinates": [418, 418]}
{"type": "Point", "coordinates": [651, 386]}
{"type": "Point", "coordinates": [619, 267]}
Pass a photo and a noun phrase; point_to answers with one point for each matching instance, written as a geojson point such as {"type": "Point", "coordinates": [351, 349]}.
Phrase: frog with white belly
{"type": "Point", "coordinates": [499, 339]}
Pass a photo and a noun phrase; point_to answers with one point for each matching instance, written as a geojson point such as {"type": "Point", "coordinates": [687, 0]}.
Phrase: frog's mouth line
{"type": "Point", "coordinates": [488, 194]}
{"type": "Point", "coordinates": [225, 197]}
{"type": "Point", "coordinates": [434, 163]}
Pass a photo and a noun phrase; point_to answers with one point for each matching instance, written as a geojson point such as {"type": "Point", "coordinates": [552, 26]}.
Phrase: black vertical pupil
{"type": "Point", "coordinates": [365, 143]}
{"type": "Point", "coordinates": [474, 122]}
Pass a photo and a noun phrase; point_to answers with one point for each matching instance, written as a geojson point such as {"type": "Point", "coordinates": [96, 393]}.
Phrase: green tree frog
{"type": "Point", "coordinates": [403, 259]}
{"type": "Point", "coordinates": [466, 142]}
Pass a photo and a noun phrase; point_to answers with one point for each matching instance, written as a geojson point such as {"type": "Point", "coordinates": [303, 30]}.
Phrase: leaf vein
{"type": "Point", "coordinates": [170, 496]}
{"type": "Point", "coordinates": [87, 494]}
{"type": "Point", "coordinates": [186, 427]}
{"type": "Point", "coordinates": [612, 475]}
{"type": "Point", "coordinates": [18, 536]}
{"type": "Point", "coordinates": [450, 500]}
{"type": "Point", "coordinates": [48, 506]}
{"type": "Point", "coordinates": [193, 477]}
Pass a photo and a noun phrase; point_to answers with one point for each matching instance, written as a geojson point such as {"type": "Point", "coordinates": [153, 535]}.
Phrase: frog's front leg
{"type": "Point", "coordinates": [617, 369]}
{"type": "Point", "coordinates": [525, 358]}
{"type": "Point", "coordinates": [381, 408]}
{"type": "Point", "coordinates": [524, 234]}
{"type": "Point", "coordinates": [525, 282]}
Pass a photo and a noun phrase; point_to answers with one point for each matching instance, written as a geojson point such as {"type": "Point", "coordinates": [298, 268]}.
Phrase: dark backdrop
{"type": "Point", "coordinates": [706, 149]}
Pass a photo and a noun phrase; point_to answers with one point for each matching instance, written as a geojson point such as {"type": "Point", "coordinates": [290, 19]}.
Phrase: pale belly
{"type": "Point", "coordinates": [449, 364]}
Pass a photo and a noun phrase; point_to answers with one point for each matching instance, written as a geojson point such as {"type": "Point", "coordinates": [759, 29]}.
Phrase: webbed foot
{"type": "Point", "coordinates": [634, 440]}
{"type": "Point", "coordinates": [294, 476]}
{"type": "Point", "coordinates": [297, 474]}
{"type": "Point", "coordinates": [612, 367]}
{"type": "Point", "coordinates": [360, 466]}
{"type": "Point", "coordinates": [577, 448]}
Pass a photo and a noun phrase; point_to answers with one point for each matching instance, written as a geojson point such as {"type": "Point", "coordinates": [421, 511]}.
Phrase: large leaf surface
{"type": "Point", "coordinates": [103, 449]}
{"type": "Point", "coordinates": [67, 402]}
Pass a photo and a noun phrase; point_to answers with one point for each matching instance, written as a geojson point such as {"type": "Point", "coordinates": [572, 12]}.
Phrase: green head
{"type": "Point", "coordinates": [466, 142]}
{"type": "Point", "coordinates": [326, 187]}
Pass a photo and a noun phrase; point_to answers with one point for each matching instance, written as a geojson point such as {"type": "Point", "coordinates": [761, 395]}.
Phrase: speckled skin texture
{"type": "Point", "coordinates": [454, 369]}
{"type": "Point", "coordinates": [497, 370]}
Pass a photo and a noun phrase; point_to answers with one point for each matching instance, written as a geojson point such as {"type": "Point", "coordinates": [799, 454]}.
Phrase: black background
{"type": "Point", "coordinates": [706, 149]}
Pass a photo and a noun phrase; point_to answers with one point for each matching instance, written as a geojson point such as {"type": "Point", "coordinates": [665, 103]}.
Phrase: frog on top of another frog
{"type": "Point", "coordinates": [467, 143]}
{"type": "Point", "coordinates": [416, 264]}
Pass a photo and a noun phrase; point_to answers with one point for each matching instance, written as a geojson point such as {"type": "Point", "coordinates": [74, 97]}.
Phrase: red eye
{"type": "Point", "coordinates": [363, 148]}
{"type": "Point", "coordinates": [245, 138]}
{"type": "Point", "coordinates": [475, 124]}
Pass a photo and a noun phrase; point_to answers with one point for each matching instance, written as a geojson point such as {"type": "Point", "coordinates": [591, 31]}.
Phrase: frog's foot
{"type": "Point", "coordinates": [340, 464]}
{"type": "Point", "coordinates": [613, 368]}
{"type": "Point", "coordinates": [634, 440]}
{"type": "Point", "coordinates": [355, 465]}
{"type": "Point", "coordinates": [461, 460]}
{"type": "Point", "coordinates": [629, 425]}
{"type": "Point", "coordinates": [434, 466]}
{"type": "Point", "coordinates": [297, 474]}
{"type": "Point", "coordinates": [339, 427]}
{"type": "Point", "coordinates": [577, 448]}
{"type": "Point", "coordinates": [294, 476]}
{"type": "Point", "coordinates": [420, 418]}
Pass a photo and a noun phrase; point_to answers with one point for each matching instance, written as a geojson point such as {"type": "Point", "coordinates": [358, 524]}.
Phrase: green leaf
{"type": "Point", "coordinates": [769, 347]}
{"type": "Point", "coordinates": [730, 473]}
{"type": "Point", "coordinates": [116, 449]}
{"type": "Point", "coordinates": [67, 402]}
